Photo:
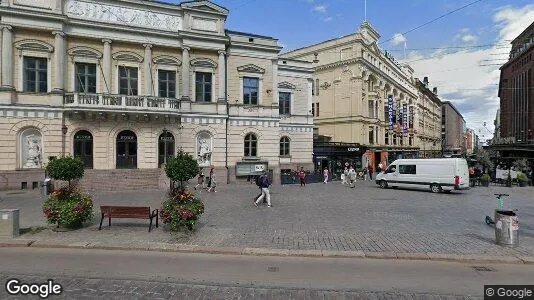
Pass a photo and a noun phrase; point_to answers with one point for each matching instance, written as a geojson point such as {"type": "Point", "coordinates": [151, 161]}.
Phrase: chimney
{"type": "Point", "coordinates": [435, 91]}
{"type": "Point", "coordinates": [425, 81]}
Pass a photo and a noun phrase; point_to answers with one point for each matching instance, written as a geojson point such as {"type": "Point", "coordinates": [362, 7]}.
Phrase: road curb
{"type": "Point", "coordinates": [461, 258]}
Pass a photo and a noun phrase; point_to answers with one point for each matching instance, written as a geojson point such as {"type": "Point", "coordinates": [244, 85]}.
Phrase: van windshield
{"type": "Point", "coordinates": [391, 169]}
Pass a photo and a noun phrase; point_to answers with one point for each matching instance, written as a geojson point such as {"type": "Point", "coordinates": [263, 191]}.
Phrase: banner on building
{"type": "Point", "coordinates": [405, 119]}
{"type": "Point", "coordinates": [390, 111]}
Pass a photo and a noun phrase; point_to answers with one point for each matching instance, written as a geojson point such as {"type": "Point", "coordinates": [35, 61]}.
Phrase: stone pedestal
{"type": "Point", "coordinates": [9, 223]}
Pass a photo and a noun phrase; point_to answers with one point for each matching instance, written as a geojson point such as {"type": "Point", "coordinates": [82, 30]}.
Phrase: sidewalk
{"type": "Point", "coordinates": [319, 220]}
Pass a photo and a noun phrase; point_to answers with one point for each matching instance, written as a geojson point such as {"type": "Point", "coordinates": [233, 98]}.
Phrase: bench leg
{"type": "Point", "coordinates": [157, 217]}
{"type": "Point", "coordinates": [101, 220]}
{"type": "Point", "coordinates": [150, 226]}
{"type": "Point", "coordinates": [109, 221]}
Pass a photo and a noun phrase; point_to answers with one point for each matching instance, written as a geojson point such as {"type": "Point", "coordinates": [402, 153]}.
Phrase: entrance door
{"type": "Point", "coordinates": [126, 150]}
{"type": "Point", "coordinates": [165, 147]}
{"type": "Point", "coordinates": [83, 147]}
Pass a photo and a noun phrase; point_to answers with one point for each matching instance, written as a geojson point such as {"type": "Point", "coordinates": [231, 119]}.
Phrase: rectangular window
{"type": "Point", "coordinates": [85, 81]}
{"type": "Point", "coordinates": [317, 87]}
{"type": "Point", "coordinates": [128, 81]}
{"type": "Point", "coordinates": [386, 138]}
{"type": "Point", "coordinates": [35, 75]}
{"type": "Point", "coordinates": [167, 83]}
{"type": "Point", "coordinates": [203, 83]}
{"type": "Point", "coordinates": [313, 88]}
{"type": "Point", "coordinates": [410, 141]}
{"type": "Point", "coordinates": [284, 103]}
{"type": "Point", "coordinates": [317, 113]}
{"type": "Point", "coordinates": [371, 135]}
{"type": "Point", "coordinates": [371, 105]}
{"type": "Point", "coordinates": [313, 109]}
{"type": "Point", "coordinates": [251, 87]}
{"type": "Point", "coordinates": [407, 169]}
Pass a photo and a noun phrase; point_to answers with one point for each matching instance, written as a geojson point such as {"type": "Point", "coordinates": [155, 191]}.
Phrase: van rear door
{"type": "Point", "coordinates": [462, 172]}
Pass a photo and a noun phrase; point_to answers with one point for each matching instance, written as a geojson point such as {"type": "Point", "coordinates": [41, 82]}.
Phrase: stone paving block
{"type": "Point", "coordinates": [414, 256]}
{"type": "Point", "coordinates": [309, 253]}
{"type": "Point", "coordinates": [16, 242]}
{"type": "Point", "coordinates": [266, 251]}
{"type": "Point", "coordinates": [219, 250]}
{"type": "Point", "coordinates": [382, 255]}
{"type": "Point", "coordinates": [334, 253]}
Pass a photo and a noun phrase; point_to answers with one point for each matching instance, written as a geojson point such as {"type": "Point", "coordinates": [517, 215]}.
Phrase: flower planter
{"type": "Point", "coordinates": [484, 183]}
{"type": "Point", "coordinates": [522, 184]}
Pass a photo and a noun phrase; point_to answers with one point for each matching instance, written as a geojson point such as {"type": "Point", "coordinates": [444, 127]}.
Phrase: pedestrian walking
{"type": "Point", "coordinates": [325, 175]}
{"type": "Point", "coordinates": [200, 180]}
{"type": "Point", "coordinates": [370, 172]}
{"type": "Point", "coordinates": [265, 194]}
{"type": "Point", "coordinates": [345, 176]}
{"type": "Point", "coordinates": [380, 167]}
{"type": "Point", "coordinates": [352, 176]}
{"type": "Point", "coordinates": [210, 178]}
{"type": "Point", "coordinates": [302, 177]}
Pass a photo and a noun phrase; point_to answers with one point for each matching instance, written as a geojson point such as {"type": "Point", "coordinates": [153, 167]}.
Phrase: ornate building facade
{"type": "Point", "coordinates": [125, 84]}
{"type": "Point", "coordinates": [428, 120]}
{"type": "Point", "coordinates": [365, 104]}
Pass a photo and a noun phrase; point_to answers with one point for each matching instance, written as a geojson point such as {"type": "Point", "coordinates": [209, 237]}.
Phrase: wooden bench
{"type": "Point", "coordinates": [128, 212]}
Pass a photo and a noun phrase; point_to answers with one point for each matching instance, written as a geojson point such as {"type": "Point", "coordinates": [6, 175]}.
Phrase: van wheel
{"type": "Point", "coordinates": [383, 184]}
{"type": "Point", "coordinates": [434, 188]}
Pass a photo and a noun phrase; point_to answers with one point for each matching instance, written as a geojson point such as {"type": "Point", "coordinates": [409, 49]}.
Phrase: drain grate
{"type": "Point", "coordinates": [273, 269]}
{"type": "Point", "coordinates": [482, 269]}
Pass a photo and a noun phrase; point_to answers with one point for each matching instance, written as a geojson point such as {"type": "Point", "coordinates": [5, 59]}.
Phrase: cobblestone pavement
{"type": "Point", "coordinates": [316, 217]}
{"type": "Point", "coordinates": [105, 288]}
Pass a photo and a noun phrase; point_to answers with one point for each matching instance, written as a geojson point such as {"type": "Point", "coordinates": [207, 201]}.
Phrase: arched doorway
{"type": "Point", "coordinates": [126, 150]}
{"type": "Point", "coordinates": [165, 147]}
{"type": "Point", "coordinates": [83, 147]}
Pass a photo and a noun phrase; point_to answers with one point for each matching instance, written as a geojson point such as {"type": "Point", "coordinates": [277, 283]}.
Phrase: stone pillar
{"type": "Point", "coordinates": [106, 86]}
{"type": "Point", "coordinates": [149, 85]}
{"type": "Point", "coordinates": [275, 82]}
{"type": "Point", "coordinates": [222, 76]}
{"type": "Point", "coordinates": [7, 57]}
{"type": "Point", "coordinates": [59, 58]}
{"type": "Point", "coordinates": [186, 95]}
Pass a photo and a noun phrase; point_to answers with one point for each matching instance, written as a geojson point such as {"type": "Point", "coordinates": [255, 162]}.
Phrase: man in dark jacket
{"type": "Point", "coordinates": [264, 184]}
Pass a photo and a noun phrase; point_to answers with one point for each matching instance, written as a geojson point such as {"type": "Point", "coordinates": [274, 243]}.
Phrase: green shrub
{"type": "Point", "coordinates": [485, 177]}
{"type": "Point", "coordinates": [68, 207]}
{"type": "Point", "coordinates": [521, 177]}
{"type": "Point", "coordinates": [65, 168]}
{"type": "Point", "coordinates": [182, 168]}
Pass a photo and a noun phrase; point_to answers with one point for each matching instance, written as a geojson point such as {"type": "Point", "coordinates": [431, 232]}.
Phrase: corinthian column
{"type": "Point", "coordinates": [222, 76]}
{"type": "Point", "coordinates": [186, 95]}
{"type": "Point", "coordinates": [106, 86]}
{"type": "Point", "coordinates": [149, 85]}
{"type": "Point", "coordinates": [7, 57]}
{"type": "Point", "coordinates": [59, 58]}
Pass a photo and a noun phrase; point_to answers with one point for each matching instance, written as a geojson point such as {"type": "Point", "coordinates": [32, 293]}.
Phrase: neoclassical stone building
{"type": "Point", "coordinates": [366, 105]}
{"type": "Point", "coordinates": [124, 84]}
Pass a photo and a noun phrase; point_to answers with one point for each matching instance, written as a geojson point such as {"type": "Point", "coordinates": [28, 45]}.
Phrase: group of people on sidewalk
{"type": "Point", "coordinates": [209, 184]}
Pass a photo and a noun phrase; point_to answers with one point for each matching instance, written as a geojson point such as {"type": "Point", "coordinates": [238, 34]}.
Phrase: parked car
{"type": "Point", "coordinates": [439, 174]}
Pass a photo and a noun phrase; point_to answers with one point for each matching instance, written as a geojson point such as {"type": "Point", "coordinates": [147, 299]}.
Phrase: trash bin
{"type": "Point", "coordinates": [9, 223]}
{"type": "Point", "coordinates": [47, 186]}
{"type": "Point", "coordinates": [506, 228]}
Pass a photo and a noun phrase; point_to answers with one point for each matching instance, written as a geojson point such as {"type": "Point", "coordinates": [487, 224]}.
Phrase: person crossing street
{"type": "Point", "coordinates": [264, 183]}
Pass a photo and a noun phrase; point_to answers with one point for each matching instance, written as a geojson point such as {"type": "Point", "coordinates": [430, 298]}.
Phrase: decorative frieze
{"type": "Point", "coordinates": [29, 113]}
{"type": "Point", "coordinates": [95, 11]}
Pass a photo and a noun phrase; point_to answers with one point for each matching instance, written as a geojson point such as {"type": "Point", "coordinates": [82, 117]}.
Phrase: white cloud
{"type": "Point", "coordinates": [327, 19]}
{"type": "Point", "coordinates": [465, 78]}
{"type": "Point", "coordinates": [321, 8]}
{"type": "Point", "coordinates": [398, 38]}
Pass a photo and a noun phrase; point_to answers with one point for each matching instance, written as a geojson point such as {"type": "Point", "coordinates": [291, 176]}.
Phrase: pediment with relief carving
{"type": "Point", "coordinates": [167, 60]}
{"type": "Point", "coordinates": [84, 52]}
{"type": "Point", "coordinates": [286, 85]}
{"type": "Point", "coordinates": [34, 45]}
{"type": "Point", "coordinates": [206, 6]}
{"type": "Point", "coordinates": [251, 68]}
{"type": "Point", "coordinates": [127, 56]}
{"type": "Point", "coordinates": [203, 62]}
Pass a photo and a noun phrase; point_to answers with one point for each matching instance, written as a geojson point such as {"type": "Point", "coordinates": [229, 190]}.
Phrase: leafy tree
{"type": "Point", "coordinates": [520, 164]}
{"type": "Point", "coordinates": [182, 168]}
{"type": "Point", "coordinates": [66, 169]}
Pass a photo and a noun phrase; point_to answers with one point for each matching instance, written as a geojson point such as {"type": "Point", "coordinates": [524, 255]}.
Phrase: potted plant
{"type": "Point", "coordinates": [522, 179]}
{"type": "Point", "coordinates": [485, 179]}
{"type": "Point", "coordinates": [67, 206]}
{"type": "Point", "coordinates": [182, 209]}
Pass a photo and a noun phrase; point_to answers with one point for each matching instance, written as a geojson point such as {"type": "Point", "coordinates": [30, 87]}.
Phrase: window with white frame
{"type": "Point", "coordinates": [35, 75]}
{"type": "Point", "coordinates": [251, 145]}
{"type": "Point", "coordinates": [251, 86]}
{"type": "Point", "coordinates": [203, 86]}
{"type": "Point", "coordinates": [167, 83]}
{"type": "Point", "coordinates": [85, 81]}
{"type": "Point", "coordinates": [128, 80]}
{"type": "Point", "coordinates": [284, 146]}
{"type": "Point", "coordinates": [284, 103]}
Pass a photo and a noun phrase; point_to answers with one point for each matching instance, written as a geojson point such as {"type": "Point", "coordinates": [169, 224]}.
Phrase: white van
{"type": "Point", "coordinates": [439, 174]}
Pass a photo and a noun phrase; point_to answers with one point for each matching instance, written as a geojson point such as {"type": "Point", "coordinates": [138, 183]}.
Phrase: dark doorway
{"type": "Point", "coordinates": [165, 147]}
{"type": "Point", "coordinates": [126, 150]}
{"type": "Point", "coordinates": [83, 147]}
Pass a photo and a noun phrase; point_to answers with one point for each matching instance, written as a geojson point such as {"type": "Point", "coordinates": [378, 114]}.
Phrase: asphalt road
{"type": "Point", "coordinates": [89, 274]}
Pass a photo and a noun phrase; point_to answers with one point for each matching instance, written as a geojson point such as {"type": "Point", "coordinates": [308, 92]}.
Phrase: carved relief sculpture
{"type": "Point", "coordinates": [204, 149]}
{"type": "Point", "coordinates": [33, 153]}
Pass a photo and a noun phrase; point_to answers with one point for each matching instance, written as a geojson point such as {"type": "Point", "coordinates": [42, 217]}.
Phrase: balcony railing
{"type": "Point", "coordinates": [83, 100]}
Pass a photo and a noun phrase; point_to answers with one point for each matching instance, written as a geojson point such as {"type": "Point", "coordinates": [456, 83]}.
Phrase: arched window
{"type": "Point", "coordinates": [126, 150]}
{"type": "Point", "coordinates": [31, 149]}
{"type": "Point", "coordinates": [251, 145]}
{"type": "Point", "coordinates": [165, 147]}
{"type": "Point", "coordinates": [83, 147]}
{"type": "Point", "coordinates": [284, 146]}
